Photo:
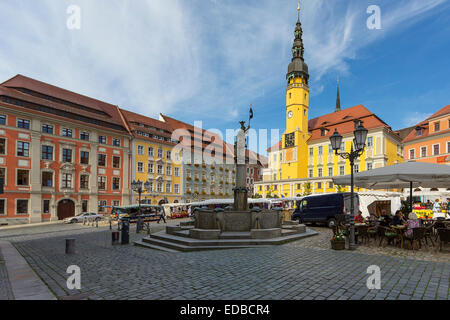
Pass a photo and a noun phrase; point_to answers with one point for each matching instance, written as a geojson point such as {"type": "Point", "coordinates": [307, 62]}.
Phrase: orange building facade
{"type": "Point", "coordinates": [61, 153]}
{"type": "Point", "coordinates": [429, 141]}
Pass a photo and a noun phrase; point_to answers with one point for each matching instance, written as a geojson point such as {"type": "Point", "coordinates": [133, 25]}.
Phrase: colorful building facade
{"type": "Point", "coordinates": [61, 153]}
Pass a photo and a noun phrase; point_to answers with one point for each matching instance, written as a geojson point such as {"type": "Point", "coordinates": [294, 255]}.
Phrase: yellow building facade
{"type": "Point", "coordinates": [304, 162]}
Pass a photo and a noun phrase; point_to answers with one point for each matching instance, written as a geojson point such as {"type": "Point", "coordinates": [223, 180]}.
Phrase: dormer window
{"type": "Point", "coordinates": [323, 132]}
{"type": "Point", "coordinates": [418, 131]}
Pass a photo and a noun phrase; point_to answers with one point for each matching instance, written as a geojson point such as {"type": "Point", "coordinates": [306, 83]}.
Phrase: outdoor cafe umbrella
{"type": "Point", "coordinates": [398, 176]}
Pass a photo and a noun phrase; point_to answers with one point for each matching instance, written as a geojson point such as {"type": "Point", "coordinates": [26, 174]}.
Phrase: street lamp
{"type": "Point", "coordinates": [357, 149]}
{"type": "Point", "coordinates": [136, 186]}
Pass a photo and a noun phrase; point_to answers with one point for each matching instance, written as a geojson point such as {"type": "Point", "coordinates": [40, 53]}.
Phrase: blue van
{"type": "Point", "coordinates": [323, 208]}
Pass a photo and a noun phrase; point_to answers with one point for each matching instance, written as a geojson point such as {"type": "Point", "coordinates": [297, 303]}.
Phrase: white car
{"type": "Point", "coordinates": [89, 217]}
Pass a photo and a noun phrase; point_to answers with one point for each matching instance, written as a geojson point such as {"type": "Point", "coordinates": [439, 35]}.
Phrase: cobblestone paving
{"type": "Point", "coordinates": [5, 287]}
{"type": "Point", "coordinates": [426, 253]}
{"type": "Point", "coordinates": [282, 272]}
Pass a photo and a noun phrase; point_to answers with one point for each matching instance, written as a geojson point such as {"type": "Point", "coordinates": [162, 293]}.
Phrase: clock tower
{"type": "Point", "coordinates": [295, 148]}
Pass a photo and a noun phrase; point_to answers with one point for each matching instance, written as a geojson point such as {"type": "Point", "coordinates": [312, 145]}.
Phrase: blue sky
{"type": "Point", "coordinates": [210, 59]}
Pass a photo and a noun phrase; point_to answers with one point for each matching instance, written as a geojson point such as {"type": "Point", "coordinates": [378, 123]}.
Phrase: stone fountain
{"type": "Point", "coordinates": [228, 229]}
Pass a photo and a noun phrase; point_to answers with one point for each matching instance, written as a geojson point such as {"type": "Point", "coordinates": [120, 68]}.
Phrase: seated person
{"type": "Point", "coordinates": [411, 224]}
{"type": "Point", "coordinates": [359, 218]}
{"type": "Point", "coordinates": [386, 219]}
{"type": "Point", "coordinates": [398, 219]}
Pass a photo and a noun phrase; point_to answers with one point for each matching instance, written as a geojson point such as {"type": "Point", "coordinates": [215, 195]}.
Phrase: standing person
{"type": "Point", "coordinates": [436, 207]}
{"type": "Point", "coordinates": [162, 215]}
{"type": "Point", "coordinates": [448, 208]}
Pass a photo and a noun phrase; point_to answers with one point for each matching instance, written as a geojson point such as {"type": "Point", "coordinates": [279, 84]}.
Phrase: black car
{"type": "Point", "coordinates": [323, 208]}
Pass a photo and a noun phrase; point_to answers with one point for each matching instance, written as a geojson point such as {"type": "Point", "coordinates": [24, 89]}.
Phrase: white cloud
{"type": "Point", "coordinates": [415, 118]}
{"type": "Point", "coordinates": [202, 59]}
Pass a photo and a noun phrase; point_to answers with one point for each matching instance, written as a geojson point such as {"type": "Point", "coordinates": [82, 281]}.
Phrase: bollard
{"type": "Point", "coordinates": [96, 223]}
{"type": "Point", "coordinates": [125, 232]}
{"type": "Point", "coordinates": [115, 237]}
{"type": "Point", "coordinates": [70, 246]}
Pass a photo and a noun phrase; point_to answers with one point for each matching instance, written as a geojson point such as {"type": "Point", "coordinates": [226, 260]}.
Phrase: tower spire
{"type": "Point", "coordinates": [338, 98]}
{"type": "Point", "coordinates": [298, 67]}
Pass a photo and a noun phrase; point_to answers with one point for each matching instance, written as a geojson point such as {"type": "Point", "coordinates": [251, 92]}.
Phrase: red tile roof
{"type": "Point", "coordinates": [93, 108]}
{"type": "Point", "coordinates": [275, 147]}
{"type": "Point", "coordinates": [425, 126]}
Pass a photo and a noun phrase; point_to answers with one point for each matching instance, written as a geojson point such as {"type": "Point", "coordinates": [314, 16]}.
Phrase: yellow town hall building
{"type": "Point", "coordinates": [304, 162]}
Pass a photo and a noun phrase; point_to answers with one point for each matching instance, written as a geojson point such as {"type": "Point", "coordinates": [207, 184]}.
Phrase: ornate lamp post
{"type": "Point", "coordinates": [357, 149]}
{"type": "Point", "coordinates": [137, 186]}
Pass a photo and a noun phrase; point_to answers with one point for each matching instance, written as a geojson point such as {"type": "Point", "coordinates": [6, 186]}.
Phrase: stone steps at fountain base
{"type": "Point", "coordinates": [172, 242]}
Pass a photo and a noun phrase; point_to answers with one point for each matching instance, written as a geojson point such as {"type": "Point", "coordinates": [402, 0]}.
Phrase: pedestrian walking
{"type": "Point", "coordinates": [162, 215]}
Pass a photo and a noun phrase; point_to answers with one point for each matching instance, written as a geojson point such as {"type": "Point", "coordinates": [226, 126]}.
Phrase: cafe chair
{"type": "Point", "coordinates": [417, 237]}
{"type": "Point", "coordinates": [444, 237]}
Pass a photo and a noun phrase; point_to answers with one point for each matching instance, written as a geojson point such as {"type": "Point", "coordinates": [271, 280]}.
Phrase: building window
{"type": "Point", "coordinates": [168, 155]}
{"type": "Point", "coordinates": [168, 187]}
{"type": "Point", "coordinates": [356, 168]}
{"type": "Point", "coordinates": [47, 179]}
{"type": "Point", "coordinates": [369, 166]}
{"type": "Point", "coordinates": [102, 160]}
{"type": "Point", "coordinates": [412, 154]}
{"type": "Point", "coordinates": [116, 183]}
{"type": "Point", "coordinates": [116, 142]}
{"type": "Point", "coordinates": [2, 119]}
{"type": "Point", "coordinates": [311, 152]}
{"type": "Point", "coordinates": [140, 150]}
{"type": "Point", "coordinates": [102, 139]}
{"type": "Point", "coordinates": [23, 149]}
{"type": "Point", "coordinates": [84, 136]}
{"type": "Point", "coordinates": [67, 180]}
{"type": "Point", "coordinates": [160, 169]}
{"type": "Point", "coordinates": [2, 207]}
{"type": "Point", "coordinates": [84, 181]}
{"type": "Point", "coordinates": [177, 171]}
{"type": "Point", "coordinates": [2, 146]}
{"type": "Point", "coordinates": [140, 167]}
{"type": "Point", "coordinates": [311, 173]}
{"type": "Point", "coordinates": [101, 205]}
{"type": "Point", "coordinates": [47, 153]}
{"type": "Point", "coordinates": [151, 168]}
{"type": "Point", "coordinates": [101, 183]}
{"type": "Point", "coordinates": [150, 186]}
{"type": "Point", "coordinates": [319, 185]}
{"type": "Point", "coordinates": [320, 172]}
{"type": "Point", "coordinates": [330, 185]}
{"type": "Point", "coordinates": [46, 128]}
{"type": "Point", "coordinates": [423, 152]}
{"type": "Point", "coordinates": [116, 203]}
{"type": "Point", "coordinates": [320, 150]}
{"type": "Point", "coordinates": [448, 147]}
{"type": "Point", "coordinates": [46, 206]}
{"type": "Point", "coordinates": [370, 142]}
{"type": "Point", "coordinates": [67, 132]}
{"type": "Point", "coordinates": [2, 175]}
{"type": "Point", "coordinates": [343, 146]}
{"type": "Point", "coordinates": [84, 206]}
{"type": "Point", "coordinates": [116, 162]}
{"type": "Point", "coordinates": [67, 155]}
{"type": "Point", "coordinates": [169, 170]}
{"type": "Point", "coordinates": [341, 170]}
{"type": "Point", "coordinates": [23, 177]}
{"type": "Point", "coordinates": [330, 172]}
{"type": "Point", "coordinates": [22, 123]}
{"type": "Point", "coordinates": [437, 126]}
{"type": "Point", "coordinates": [84, 157]}
{"type": "Point", "coordinates": [159, 187]}
{"type": "Point", "coordinates": [160, 153]}
{"type": "Point", "coordinates": [22, 206]}
{"type": "Point", "coordinates": [436, 150]}
{"type": "Point", "coordinates": [418, 131]}
{"type": "Point", "coordinates": [151, 151]}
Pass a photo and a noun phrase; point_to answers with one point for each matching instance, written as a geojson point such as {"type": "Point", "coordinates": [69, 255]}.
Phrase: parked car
{"type": "Point", "coordinates": [323, 208]}
{"type": "Point", "coordinates": [88, 216]}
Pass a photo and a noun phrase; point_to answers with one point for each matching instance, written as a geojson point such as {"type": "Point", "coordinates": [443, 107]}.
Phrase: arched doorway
{"type": "Point", "coordinates": [66, 209]}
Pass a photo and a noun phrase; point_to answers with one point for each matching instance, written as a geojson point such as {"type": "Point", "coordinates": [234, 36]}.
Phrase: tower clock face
{"type": "Point", "coordinates": [290, 114]}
